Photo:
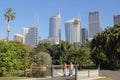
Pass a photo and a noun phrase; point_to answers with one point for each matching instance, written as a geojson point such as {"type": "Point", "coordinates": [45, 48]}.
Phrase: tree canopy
{"type": "Point", "coordinates": [13, 56]}
{"type": "Point", "coordinates": [105, 48]}
{"type": "Point", "coordinates": [64, 52]}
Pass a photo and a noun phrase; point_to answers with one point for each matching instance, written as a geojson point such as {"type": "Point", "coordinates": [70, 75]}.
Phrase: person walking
{"type": "Point", "coordinates": [71, 69]}
{"type": "Point", "coordinates": [64, 68]}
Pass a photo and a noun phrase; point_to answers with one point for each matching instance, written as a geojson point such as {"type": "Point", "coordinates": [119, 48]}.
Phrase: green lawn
{"type": "Point", "coordinates": [104, 79]}
{"type": "Point", "coordinates": [12, 78]}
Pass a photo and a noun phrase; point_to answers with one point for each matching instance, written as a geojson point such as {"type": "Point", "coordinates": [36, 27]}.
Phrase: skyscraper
{"type": "Point", "coordinates": [94, 23]}
{"type": "Point", "coordinates": [54, 28]}
{"type": "Point", "coordinates": [73, 31]}
{"type": "Point", "coordinates": [24, 33]}
{"type": "Point", "coordinates": [31, 38]}
{"type": "Point", "coordinates": [116, 19]}
{"type": "Point", "coordinates": [84, 34]}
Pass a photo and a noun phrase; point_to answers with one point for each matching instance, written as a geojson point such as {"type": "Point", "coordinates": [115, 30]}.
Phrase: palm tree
{"type": "Point", "coordinates": [9, 15]}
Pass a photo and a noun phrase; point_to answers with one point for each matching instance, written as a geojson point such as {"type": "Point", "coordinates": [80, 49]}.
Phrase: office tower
{"type": "Point", "coordinates": [31, 38]}
{"type": "Point", "coordinates": [84, 34]}
{"type": "Point", "coordinates": [54, 28]}
{"type": "Point", "coordinates": [24, 33]}
{"type": "Point", "coordinates": [94, 23]}
{"type": "Point", "coordinates": [18, 37]}
{"type": "Point", "coordinates": [116, 19]}
{"type": "Point", "coordinates": [73, 31]}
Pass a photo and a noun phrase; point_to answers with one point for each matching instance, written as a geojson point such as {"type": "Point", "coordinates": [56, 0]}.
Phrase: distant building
{"type": "Point", "coordinates": [24, 33]}
{"type": "Point", "coordinates": [47, 40]}
{"type": "Point", "coordinates": [116, 19]}
{"type": "Point", "coordinates": [84, 34]}
{"type": "Point", "coordinates": [72, 31]}
{"type": "Point", "coordinates": [94, 23]}
{"type": "Point", "coordinates": [18, 37]}
{"type": "Point", "coordinates": [54, 28]}
{"type": "Point", "coordinates": [31, 38]}
{"type": "Point", "coordinates": [3, 39]}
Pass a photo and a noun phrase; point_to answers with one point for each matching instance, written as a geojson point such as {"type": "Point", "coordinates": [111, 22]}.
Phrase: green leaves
{"type": "Point", "coordinates": [9, 15]}
{"type": "Point", "coordinates": [11, 57]}
{"type": "Point", "coordinates": [105, 47]}
{"type": "Point", "coordinates": [42, 58]}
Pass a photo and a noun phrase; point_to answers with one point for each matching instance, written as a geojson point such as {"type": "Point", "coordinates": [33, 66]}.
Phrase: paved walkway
{"type": "Point", "coordinates": [61, 78]}
{"type": "Point", "coordinates": [114, 75]}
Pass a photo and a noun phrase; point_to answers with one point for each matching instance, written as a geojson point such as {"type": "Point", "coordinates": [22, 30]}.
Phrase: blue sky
{"type": "Point", "coordinates": [27, 9]}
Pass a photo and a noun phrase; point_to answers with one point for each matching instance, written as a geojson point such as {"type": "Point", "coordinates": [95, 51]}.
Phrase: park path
{"type": "Point", "coordinates": [114, 75]}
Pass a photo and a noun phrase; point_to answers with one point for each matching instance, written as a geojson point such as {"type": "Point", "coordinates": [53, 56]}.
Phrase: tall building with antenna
{"type": "Point", "coordinates": [54, 28]}
{"type": "Point", "coordinates": [31, 35]}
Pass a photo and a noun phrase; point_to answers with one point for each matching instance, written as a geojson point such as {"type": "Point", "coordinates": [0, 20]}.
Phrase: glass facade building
{"type": "Point", "coordinates": [84, 34]}
{"type": "Point", "coordinates": [72, 31]}
{"type": "Point", "coordinates": [54, 28]}
{"type": "Point", "coordinates": [116, 19]}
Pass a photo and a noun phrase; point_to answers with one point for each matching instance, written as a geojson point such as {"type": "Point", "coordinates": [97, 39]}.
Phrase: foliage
{"type": "Point", "coordinates": [13, 56]}
{"type": "Point", "coordinates": [64, 52]}
{"type": "Point", "coordinates": [105, 48]}
{"type": "Point", "coordinates": [80, 56]}
{"type": "Point", "coordinates": [42, 59]}
{"type": "Point", "coordinates": [41, 47]}
{"type": "Point", "coordinates": [9, 15]}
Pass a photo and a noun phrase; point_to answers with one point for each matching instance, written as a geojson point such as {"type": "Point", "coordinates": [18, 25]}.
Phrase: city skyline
{"type": "Point", "coordinates": [27, 11]}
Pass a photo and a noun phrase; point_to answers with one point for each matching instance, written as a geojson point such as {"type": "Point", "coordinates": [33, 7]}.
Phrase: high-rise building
{"type": "Point", "coordinates": [84, 34]}
{"type": "Point", "coordinates": [24, 33]}
{"type": "Point", "coordinates": [54, 28]}
{"type": "Point", "coordinates": [116, 19]}
{"type": "Point", "coordinates": [94, 23]}
{"type": "Point", "coordinates": [31, 38]}
{"type": "Point", "coordinates": [73, 30]}
{"type": "Point", "coordinates": [18, 37]}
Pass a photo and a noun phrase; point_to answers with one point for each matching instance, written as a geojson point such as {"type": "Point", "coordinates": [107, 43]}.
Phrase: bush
{"type": "Point", "coordinates": [42, 59]}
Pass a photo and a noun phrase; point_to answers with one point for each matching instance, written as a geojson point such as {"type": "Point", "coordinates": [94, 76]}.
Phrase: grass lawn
{"type": "Point", "coordinates": [104, 79]}
{"type": "Point", "coordinates": [12, 78]}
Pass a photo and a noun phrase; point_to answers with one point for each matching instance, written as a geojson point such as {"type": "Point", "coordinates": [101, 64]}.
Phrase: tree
{"type": "Point", "coordinates": [64, 52]}
{"type": "Point", "coordinates": [80, 56]}
{"type": "Point", "coordinates": [9, 15]}
{"type": "Point", "coordinates": [13, 56]}
{"type": "Point", "coordinates": [105, 48]}
{"type": "Point", "coordinates": [42, 59]}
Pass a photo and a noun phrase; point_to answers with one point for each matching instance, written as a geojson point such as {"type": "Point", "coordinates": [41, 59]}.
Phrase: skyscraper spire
{"type": "Point", "coordinates": [78, 14]}
{"type": "Point", "coordinates": [36, 19]}
{"type": "Point", "coordinates": [58, 14]}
